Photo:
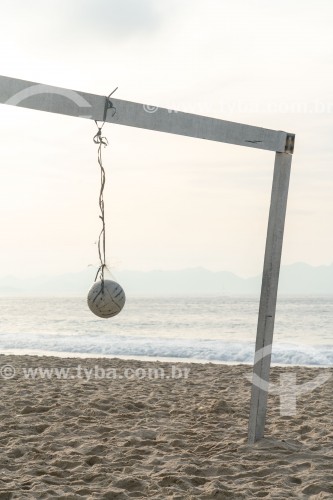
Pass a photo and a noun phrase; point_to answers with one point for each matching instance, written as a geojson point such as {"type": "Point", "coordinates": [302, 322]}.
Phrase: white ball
{"type": "Point", "coordinates": [106, 301]}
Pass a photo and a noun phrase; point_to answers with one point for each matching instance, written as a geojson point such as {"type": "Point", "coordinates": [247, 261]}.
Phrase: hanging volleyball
{"type": "Point", "coordinates": [106, 298]}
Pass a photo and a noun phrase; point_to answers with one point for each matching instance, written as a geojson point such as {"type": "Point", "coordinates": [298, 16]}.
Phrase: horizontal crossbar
{"type": "Point", "coordinates": [80, 104]}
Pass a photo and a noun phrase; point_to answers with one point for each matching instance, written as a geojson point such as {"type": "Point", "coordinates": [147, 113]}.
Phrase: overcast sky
{"type": "Point", "coordinates": [171, 202]}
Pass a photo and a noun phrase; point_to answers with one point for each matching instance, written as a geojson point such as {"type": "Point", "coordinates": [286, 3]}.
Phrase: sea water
{"type": "Point", "coordinates": [210, 328]}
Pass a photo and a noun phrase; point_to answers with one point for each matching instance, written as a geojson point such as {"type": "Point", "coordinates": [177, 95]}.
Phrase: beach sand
{"type": "Point", "coordinates": [126, 434]}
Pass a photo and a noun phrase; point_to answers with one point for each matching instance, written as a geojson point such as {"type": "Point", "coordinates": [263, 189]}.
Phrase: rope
{"type": "Point", "coordinates": [102, 141]}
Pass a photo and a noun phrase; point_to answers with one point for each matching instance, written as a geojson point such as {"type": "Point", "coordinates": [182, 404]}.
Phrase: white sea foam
{"type": "Point", "coordinates": [210, 350]}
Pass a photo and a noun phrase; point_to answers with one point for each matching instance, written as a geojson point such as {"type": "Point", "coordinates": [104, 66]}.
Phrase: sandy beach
{"type": "Point", "coordinates": [116, 429]}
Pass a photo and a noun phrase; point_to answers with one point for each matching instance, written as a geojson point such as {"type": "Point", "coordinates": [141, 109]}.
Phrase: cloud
{"type": "Point", "coordinates": [60, 25]}
{"type": "Point", "coordinates": [118, 18]}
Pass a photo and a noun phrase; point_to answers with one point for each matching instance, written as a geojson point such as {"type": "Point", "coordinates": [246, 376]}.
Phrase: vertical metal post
{"type": "Point", "coordinates": [268, 296]}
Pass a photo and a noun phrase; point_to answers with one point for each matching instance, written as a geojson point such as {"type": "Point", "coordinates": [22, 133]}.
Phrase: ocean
{"type": "Point", "coordinates": [205, 329]}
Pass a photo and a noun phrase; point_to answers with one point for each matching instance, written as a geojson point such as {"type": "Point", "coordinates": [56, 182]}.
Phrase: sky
{"type": "Point", "coordinates": [171, 202]}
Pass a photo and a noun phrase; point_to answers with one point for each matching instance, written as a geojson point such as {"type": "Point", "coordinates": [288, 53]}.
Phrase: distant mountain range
{"type": "Point", "coordinates": [299, 278]}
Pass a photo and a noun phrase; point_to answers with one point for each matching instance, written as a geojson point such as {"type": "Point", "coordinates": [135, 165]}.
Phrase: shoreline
{"type": "Point", "coordinates": [152, 359]}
